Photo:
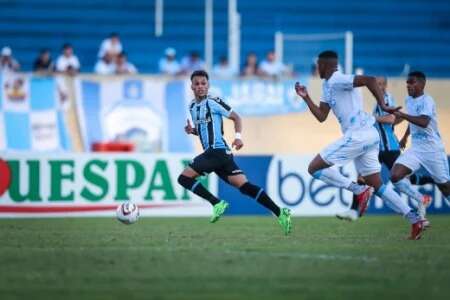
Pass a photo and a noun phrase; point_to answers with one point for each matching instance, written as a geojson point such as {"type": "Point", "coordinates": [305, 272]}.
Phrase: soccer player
{"type": "Point", "coordinates": [360, 142]}
{"type": "Point", "coordinates": [389, 152]}
{"type": "Point", "coordinates": [207, 113]}
{"type": "Point", "coordinates": [427, 149]}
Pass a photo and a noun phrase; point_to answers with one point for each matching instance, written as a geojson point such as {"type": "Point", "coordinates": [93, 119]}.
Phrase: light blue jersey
{"type": "Point", "coordinates": [388, 140]}
{"type": "Point", "coordinates": [207, 117]}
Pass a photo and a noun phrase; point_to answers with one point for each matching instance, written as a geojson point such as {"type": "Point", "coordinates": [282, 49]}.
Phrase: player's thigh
{"type": "Point", "coordinates": [338, 153]}
{"type": "Point", "coordinates": [204, 163]}
{"type": "Point", "coordinates": [437, 165]}
{"type": "Point", "coordinates": [407, 163]}
{"type": "Point", "coordinates": [367, 163]}
{"type": "Point", "coordinates": [229, 171]}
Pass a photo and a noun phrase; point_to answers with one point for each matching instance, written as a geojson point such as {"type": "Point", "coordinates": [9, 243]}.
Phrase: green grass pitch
{"type": "Point", "coordinates": [236, 258]}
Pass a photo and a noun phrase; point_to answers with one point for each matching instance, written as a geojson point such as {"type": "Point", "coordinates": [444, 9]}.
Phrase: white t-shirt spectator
{"type": "Point", "coordinates": [170, 67]}
{"type": "Point", "coordinates": [64, 62]}
{"type": "Point", "coordinates": [273, 68]}
{"type": "Point", "coordinates": [110, 47]}
{"type": "Point", "coordinates": [104, 68]}
{"type": "Point", "coordinates": [127, 68]}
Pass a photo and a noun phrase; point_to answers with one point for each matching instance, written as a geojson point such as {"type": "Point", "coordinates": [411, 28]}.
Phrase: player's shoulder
{"type": "Point", "coordinates": [428, 98]}
{"type": "Point", "coordinates": [219, 101]}
{"type": "Point", "coordinates": [191, 104]}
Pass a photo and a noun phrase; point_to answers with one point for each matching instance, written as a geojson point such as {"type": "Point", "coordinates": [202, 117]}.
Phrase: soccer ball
{"type": "Point", "coordinates": [127, 213]}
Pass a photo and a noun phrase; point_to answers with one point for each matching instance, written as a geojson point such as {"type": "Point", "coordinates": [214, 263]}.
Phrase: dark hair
{"type": "Point", "coordinates": [114, 34]}
{"type": "Point", "coordinates": [418, 75]}
{"type": "Point", "coordinates": [328, 54]}
{"type": "Point", "coordinates": [66, 46]}
{"type": "Point", "coordinates": [200, 73]}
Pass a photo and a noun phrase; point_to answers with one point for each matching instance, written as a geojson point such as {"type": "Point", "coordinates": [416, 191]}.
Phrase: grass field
{"type": "Point", "coordinates": [237, 258]}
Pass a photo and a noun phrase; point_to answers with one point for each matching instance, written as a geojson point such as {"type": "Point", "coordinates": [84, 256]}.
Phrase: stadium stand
{"type": "Point", "coordinates": [388, 33]}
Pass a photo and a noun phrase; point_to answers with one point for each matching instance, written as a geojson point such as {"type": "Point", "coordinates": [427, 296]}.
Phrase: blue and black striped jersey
{"type": "Point", "coordinates": [388, 140]}
{"type": "Point", "coordinates": [207, 117]}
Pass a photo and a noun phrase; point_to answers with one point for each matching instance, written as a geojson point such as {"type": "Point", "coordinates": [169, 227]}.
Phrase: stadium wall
{"type": "Point", "coordinates": [92, 184]}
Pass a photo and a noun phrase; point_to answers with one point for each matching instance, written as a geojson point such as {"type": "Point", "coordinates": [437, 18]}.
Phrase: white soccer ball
{"type": "Point", "coordinates": [127, 213]}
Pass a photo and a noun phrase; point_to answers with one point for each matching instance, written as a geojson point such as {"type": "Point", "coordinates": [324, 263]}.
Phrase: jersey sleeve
{"type": "Point", "coordinates": [343, 82]}
{"type": "Point", "coordinates": [218, 106]}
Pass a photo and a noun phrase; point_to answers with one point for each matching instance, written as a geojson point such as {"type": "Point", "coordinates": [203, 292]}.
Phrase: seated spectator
{"type": "Point", "coordinates": [7, 61]}
{"type": "Point", "coordinates": [271, 67]}
{"type": "Point", "coordinates": [67, 62]}
{"type": "Point", "coordinates": [223, 69]}
{"type": "Point", "coordinates": [168, 65]}
{"type": "Point", "coordinates": [250, 67]}
{"type": "Point", "coordinates": [106, 65]}
{"type": "Point", "coordinates": [192, 63]}
{"type": "Point", "coordinates": [123, 66]}
{"type": "Point", "coordinates": [43, 63]}
{"type": "Point", "coordinates": [111, 45]}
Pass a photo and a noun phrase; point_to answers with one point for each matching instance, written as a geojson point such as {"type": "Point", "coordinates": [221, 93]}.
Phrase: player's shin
{"type": "Point", "coordinates": [393, 200]}
{"type": "Point", "coordinates": [260, 196]}
{"type": "Point", "coordinates": [197, 188]}
{"type": "Point", "coordinates": [406, 187]}
{"type": "Point", "coordinates": [334, 178]}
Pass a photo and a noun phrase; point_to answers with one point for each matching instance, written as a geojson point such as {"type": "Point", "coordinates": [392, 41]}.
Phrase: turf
{"type": "Point", "coordinates": [237, 258]}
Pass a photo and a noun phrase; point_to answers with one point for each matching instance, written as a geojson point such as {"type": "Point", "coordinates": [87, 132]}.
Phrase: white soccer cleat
{"type": "Point", "coordinates": [348, 215]}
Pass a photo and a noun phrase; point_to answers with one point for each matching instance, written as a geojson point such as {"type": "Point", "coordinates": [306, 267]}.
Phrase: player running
{"type": "Point", "coordinates": [207, 113]}
{"type": "Point", "coordinates": [427, 149]}
{"type": "Point", "coordinates": [389, 152]}
{"type": "Point", "coordinates": [360, 142]}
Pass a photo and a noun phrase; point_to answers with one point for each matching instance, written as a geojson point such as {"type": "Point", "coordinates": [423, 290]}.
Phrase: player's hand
{"type": "Point", "coordinates": [301, 90]}
{"type": "Point", "coordinates": [237, 144]}
{"type": "Point", "coordinates": [188, 128]}
{"type": "Point", "coordinates": [391, 109]}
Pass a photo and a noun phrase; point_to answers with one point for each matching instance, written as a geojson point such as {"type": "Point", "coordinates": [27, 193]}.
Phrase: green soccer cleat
{"type": "Point", "coordinates": [218, 210]}
{"type": "Point", "coordinates": [285, 220]}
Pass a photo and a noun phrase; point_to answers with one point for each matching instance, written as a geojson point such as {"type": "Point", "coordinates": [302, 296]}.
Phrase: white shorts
{"type": "Point", "coordinates": [436, 163]}
{"type": "Point", "coordinates": [361, 146]}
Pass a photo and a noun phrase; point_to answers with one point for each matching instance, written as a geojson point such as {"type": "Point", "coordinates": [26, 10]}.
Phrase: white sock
{"type": "Point", "coordinates": [333, 177]}
{"type": "Point", "coordinates": [392, 199]}
{"type": "Point", "coordinates": [406, 187]}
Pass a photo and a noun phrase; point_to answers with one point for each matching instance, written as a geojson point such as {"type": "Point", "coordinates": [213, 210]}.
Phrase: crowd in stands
{"type": "Point", "coordinates": [112, 60]}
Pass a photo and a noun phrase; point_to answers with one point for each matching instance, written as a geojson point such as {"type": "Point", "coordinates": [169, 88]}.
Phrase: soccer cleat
{"type": "Point", "coordinates": [417, 230]}
{"type": "Point", "coordinates": [363, 200]}
{"type": "Point", "coordinates": [218, 210]}
{"type": "Point", "coordinates": [348, 215]}
{"type": "Point", "coordinates": [284, 219]}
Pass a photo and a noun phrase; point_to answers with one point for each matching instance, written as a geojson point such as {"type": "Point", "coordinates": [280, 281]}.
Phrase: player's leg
{"type": "Point", "coordinates": [200, 165]}
{"type": "Point", "coordinates": [437, 166]}
{"type": "Point", "coordinates": [404, 166]}
{"type": "Point", "coordinates": [339, 153]}
{"type": "Point", "coordinates": [369, 167]}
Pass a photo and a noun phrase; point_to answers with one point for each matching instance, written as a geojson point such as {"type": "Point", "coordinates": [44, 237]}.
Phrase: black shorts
{"type": "Point", "coordinates": [388, 158]}
{"type": "Point", "coordinates": [219, 161]}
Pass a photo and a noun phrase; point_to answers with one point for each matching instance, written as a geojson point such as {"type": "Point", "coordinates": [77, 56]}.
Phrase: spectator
{"type": "Point", "coordinates": [43, 63]}
{"type": "Point", "coordinates": [251, 66]}
{"type": "Point", "coordinates": [67, 62]}
{"type": "Point", "coordinates": [7, 61]}
{"type": "Point", "coordinates": [223, 69]}
{"type": "Point", "coordinates": [111, 45]}
{"type": "Point", "coordinates": [271, 67]}
{"type": "Point", "coordinates": [168, 65]}
{"type": "Point", "coordinates": [106, 65]}
{"type": "Point", "coordinates": [192, 63]}
{"type": "Point", "coordinates": [123, 66]}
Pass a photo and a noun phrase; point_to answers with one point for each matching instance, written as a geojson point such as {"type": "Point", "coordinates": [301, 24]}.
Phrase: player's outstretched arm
{"type": "Point", "coordinates": [371, 83]}
{"type": "Point", "coordinates": [321, 111]}
{"type": "Point", "coordinates": [421, 120]}
{"type": "Point", "coordinates": [237, 143]}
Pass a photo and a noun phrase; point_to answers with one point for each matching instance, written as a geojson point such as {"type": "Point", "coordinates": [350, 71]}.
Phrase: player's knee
{"type": "Point", "coordinates": [185, 181]}
{"type": "Point", "coordinates": [249, 189]}
{"type": "Point", "coordinates": [395, 176]}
